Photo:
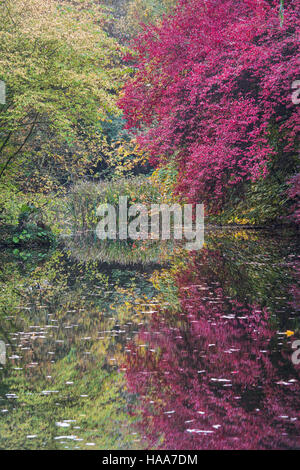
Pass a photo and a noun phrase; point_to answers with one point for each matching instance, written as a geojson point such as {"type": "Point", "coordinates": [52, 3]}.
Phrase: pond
{"type": "Point", "coordinates": [192, 350]}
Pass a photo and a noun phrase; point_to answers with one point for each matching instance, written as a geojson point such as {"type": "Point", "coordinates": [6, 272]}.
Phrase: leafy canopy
{"type": "Point", "coordinates": [61, 71]}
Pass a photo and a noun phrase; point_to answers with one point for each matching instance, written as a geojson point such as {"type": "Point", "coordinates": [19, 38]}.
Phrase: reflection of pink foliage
{"type": "Point", "coordinates": [295, 289]}
{"type": "Point", "coordinates": [213, 381]}
{"type": "Point", "coordinates": [294, 193]}
{"type": "Point", "coordinates": [210, 86]}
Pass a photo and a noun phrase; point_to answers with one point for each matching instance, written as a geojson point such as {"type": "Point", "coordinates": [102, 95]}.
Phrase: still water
{"type": "Point", "coordinates": [186, 351]}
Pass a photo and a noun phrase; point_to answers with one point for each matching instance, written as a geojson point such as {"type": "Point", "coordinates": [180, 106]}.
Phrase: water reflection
{"type": "Point", "coordinates": [216, 375]}
{"type": "Point", "coordinates": [85, 247]}
{"type": "Point", "coordinates": [192, 356]}
{"type": "Point", "coordinates": [61, 387]}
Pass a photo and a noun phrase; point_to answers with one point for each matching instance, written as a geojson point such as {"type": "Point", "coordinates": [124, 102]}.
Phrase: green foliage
{"type": "Point", "coordinates": [139, 12]}
{"type": "Point", "coordinates": [125, 17]}
{"type": "Point", "coordinates": [32, 235]}
{"type": "Point", "coordinates": [82, 200]}
{"type": "Point", "coordinates": [62, 73]}
{"type": "Point", "coordinates": [264, 202]}
{"type": "Point", "coordinates": [57, 64]}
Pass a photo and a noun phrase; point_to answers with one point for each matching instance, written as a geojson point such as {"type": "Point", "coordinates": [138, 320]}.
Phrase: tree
{"type": "Point", "coordinates": [213, 90]}
{"type": "Point", "coordinates": [62, 73]}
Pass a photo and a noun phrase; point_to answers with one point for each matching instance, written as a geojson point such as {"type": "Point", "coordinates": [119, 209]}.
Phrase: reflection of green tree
{"type": "Point", "coordinates": [102, 417]}
{"type": "Point", "coordinates": [256, 266]}
{"type": "Point", "coordinates": [251, 266]}
{"type": "Point", "coordinates": [81, 295]}
{"type": "Point", "coordinates": [87, 247]}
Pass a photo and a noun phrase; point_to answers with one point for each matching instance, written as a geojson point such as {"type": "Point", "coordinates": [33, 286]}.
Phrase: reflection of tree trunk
{"type": "Point", "coordinates": [20, 148]}
{"type": "Point", "coordinates": [5, 141]}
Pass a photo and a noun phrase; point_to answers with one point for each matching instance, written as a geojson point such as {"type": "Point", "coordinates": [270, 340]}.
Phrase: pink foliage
{"type": "Point", "coordinates": [212, 83]}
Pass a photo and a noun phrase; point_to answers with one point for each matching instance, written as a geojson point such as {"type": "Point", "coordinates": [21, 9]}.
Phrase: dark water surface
{"type": "Point", "coordinates": [194, 354]}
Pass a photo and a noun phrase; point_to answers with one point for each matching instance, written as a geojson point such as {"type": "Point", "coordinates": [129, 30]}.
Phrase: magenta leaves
{"type": "Point", "coordinates": [213, 85]}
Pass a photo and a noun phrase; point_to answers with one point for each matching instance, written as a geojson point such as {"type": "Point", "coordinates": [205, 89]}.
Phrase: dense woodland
{"type": "Point", "coordinates": [207, 105]}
